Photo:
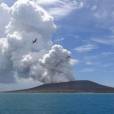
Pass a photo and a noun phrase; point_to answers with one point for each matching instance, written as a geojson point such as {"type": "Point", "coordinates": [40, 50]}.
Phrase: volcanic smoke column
{"type": "Point", "coordinates": [20, 58]}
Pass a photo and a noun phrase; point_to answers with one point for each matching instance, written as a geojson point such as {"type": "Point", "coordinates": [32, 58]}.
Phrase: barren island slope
{"type": "Point", "coordinates": [72, 86]}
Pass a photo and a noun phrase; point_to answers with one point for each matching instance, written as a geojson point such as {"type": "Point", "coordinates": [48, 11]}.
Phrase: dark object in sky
{"type": "Point", "coordinates": [72, 86]}
{"type": "Point", "coordinates": [34, 41]}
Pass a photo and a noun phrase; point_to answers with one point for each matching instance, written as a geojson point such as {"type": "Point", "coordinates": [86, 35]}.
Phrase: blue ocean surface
{"type": "Point", "coordinates": [56, 103]}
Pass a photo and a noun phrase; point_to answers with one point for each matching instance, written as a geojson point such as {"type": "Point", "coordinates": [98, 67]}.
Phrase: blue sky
{"type": "Point", "coordinates": [88, 45]}
{"type": "Point", "coordinates": [88, 32]}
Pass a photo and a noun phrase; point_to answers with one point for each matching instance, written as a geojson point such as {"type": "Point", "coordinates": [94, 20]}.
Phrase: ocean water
{"type": "Point", "coordinates": [54, 103]}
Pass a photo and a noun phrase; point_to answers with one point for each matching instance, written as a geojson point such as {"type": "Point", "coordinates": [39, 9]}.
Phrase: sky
{"type": "Point", "coordinates": [86, 28]}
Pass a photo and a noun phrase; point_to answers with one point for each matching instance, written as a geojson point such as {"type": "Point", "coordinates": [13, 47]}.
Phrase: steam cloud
{"type": "Point", "coordinates": [26, 49]}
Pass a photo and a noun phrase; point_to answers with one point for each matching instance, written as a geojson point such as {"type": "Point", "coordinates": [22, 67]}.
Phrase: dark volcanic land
{"type": "Point", "coordinates": [72, 86]}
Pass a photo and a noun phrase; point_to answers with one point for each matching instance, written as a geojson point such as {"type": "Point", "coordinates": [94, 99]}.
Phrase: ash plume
{"type": "Point", "coordinates": [26, 49]}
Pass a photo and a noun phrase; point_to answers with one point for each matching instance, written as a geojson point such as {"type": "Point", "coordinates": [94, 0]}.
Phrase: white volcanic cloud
{"type": "Point", "coordinates": [57, 63]}
{"type": "Point", "coordinates": [27, 51]}
{"type": "Point", "coordinates": [1, 1]}
{"type": "Point", "coordinates": [4, 18]}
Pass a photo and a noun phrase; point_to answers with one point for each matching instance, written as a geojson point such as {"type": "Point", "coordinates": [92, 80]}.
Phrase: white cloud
{"type": "Point", "coordinates": [107, 53]}
{"type": "Point", "coordinates": [89, 63]}
{"type": "Point", "coordinates": [46, 2]}
{"type": "Point", "coordinates": [59, 40]}
{"type": "Point", "coordinates": [103, 12]}
{"type": "Point", "coordinates": [106, 41]}
{"type": "Point", "coordinates": [60, 8]}
{"type": "Point", "coordinates": [85, 48]}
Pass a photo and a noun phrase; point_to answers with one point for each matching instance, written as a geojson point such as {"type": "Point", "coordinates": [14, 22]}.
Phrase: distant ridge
{"type": "Point", "coordinates": [72, 86]}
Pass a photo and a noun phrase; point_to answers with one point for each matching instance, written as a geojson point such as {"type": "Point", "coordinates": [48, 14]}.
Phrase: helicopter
{"type": "Point", "coordinates": [34, 41]}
